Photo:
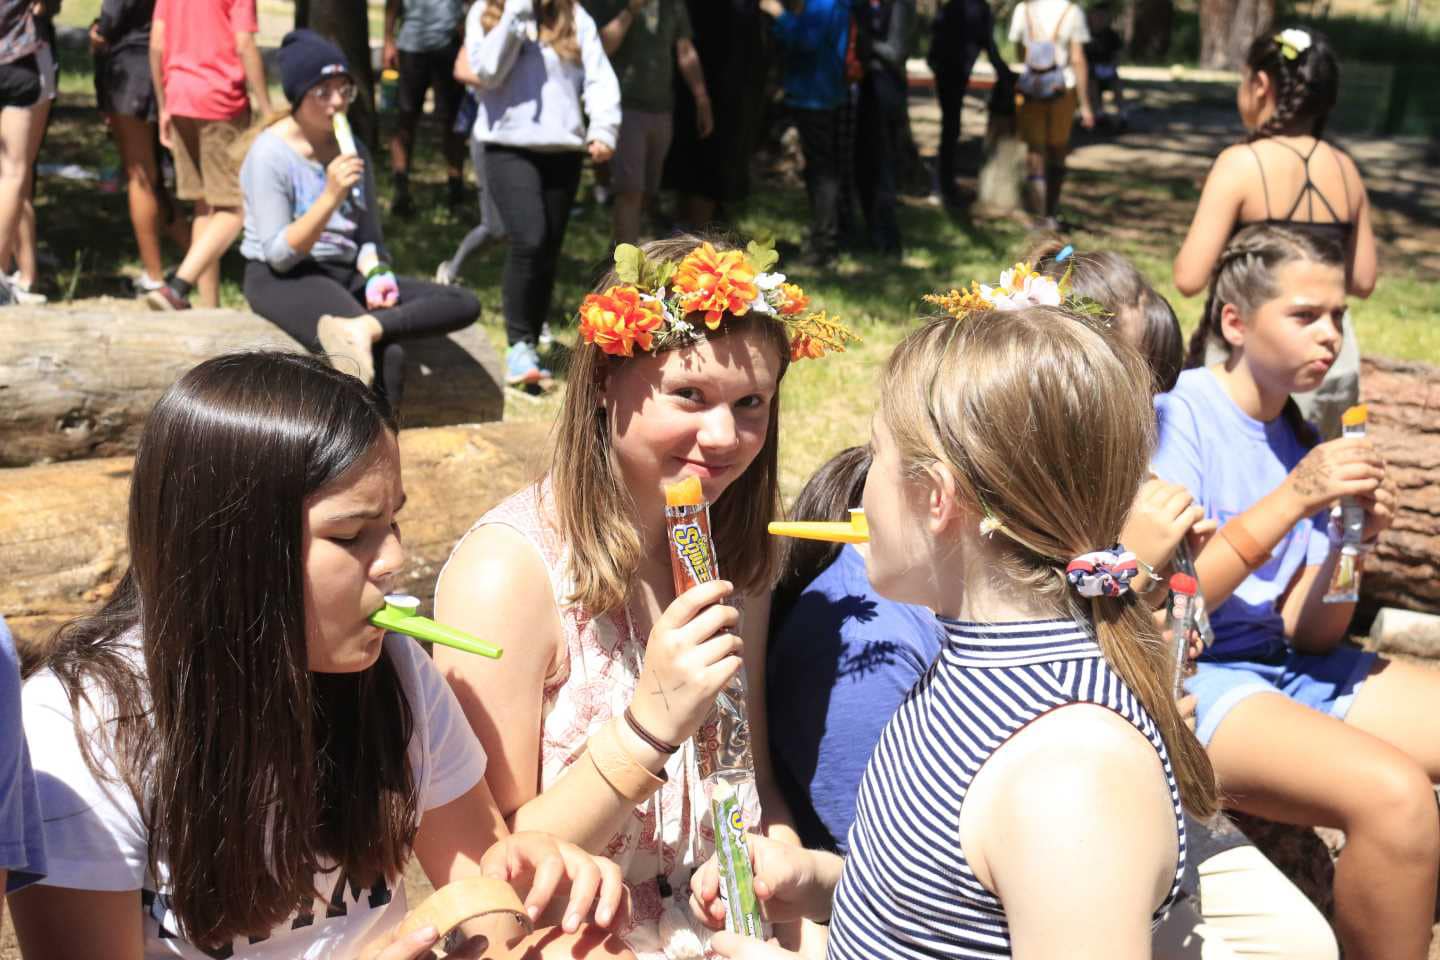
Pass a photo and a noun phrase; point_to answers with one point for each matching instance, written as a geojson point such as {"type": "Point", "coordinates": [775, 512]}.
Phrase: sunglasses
{"type": "Point", "coordinates": [326, 91]}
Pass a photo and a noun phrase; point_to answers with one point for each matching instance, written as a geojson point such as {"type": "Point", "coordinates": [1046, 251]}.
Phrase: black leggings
{"type": "Point", "coordinates": [295, 302]}
{"type": "Point", "coordinates": [534, 192]}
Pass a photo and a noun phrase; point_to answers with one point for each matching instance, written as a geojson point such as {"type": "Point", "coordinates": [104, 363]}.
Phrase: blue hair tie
{"type": "Point", "coordinates": [1067, 251]}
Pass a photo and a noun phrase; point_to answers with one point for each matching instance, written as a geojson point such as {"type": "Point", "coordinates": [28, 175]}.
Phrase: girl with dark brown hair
{"type": "Point", "coordinates": [233, 762]}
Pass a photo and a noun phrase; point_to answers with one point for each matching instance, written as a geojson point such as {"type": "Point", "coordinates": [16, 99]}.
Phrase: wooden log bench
{"type": "Point", "coordinates": [78, 383]}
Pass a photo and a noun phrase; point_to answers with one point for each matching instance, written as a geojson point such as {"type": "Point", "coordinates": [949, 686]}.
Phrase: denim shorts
{"type": "Point", "coordinates": [1325, 682]}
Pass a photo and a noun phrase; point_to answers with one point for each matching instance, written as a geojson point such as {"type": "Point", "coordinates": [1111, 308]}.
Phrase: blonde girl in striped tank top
{"type": "Point", "coordinates": [1026, 798]}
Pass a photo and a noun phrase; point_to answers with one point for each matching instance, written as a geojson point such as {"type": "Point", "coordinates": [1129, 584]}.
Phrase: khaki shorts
{"type": "Point", "coordinates": [1046, 123]}
{"type": "Point", "coordinates": [206, 165]}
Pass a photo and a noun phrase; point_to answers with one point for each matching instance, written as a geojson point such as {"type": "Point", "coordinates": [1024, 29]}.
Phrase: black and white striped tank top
{"type": "Point", "coordinates": [907, 890]}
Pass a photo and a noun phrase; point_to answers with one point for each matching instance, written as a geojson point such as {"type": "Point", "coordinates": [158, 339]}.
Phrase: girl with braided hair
{"type": "Point", "coordinates": [1300, 727]}
{"type": "Point", "coordinates": [1285, 173]}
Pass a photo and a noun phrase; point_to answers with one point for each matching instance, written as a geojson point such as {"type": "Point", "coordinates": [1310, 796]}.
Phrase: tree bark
{"type": "Point", "coordinates": [1404, 402]}
{"type": "Point", "coordinates": [62, 526]}
{"type": "Point", "coordinates": [347, 24]}
{"type": "Point", "coordinates": [1227, 28]}
{"type": "Point", "coordinates": [1147, 26]}
{"type": "Point", "coordinates": [79, 383]}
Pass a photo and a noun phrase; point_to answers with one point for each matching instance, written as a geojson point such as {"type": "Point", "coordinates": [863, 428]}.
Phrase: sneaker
{"type": "Point", "coordinates": [443, 276]}
{"type": "Point", "coordinates": [522, 365]}
{"type": "Point", "coordinates": [166, 298]}
{"type": "Point", "coordinates": [546, 340]}
{"type": "Point", "coordinates": [145, 283]}
{"type": "Point", "coordinates": [23, 293]}
{"type": "Point", "coordinates": [7, 295]}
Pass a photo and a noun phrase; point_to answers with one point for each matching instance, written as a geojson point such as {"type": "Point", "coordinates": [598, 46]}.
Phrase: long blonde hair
{"type": "Point", "coordinates": [594, 510]}
{"type": "Point", "coordinates": [557, 25]}
{"type": "Point", "coordinates": [1044, 422]}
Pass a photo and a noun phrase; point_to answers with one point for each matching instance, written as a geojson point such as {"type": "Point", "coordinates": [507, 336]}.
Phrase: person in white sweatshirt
{"type": "Point", "coordinates": [548, 96]}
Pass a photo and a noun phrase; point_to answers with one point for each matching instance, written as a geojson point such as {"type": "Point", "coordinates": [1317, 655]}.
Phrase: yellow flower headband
{"type": "Point", "coordinates": [651, 305]}
{"type": "Point", "coordinates": [1020, 287]}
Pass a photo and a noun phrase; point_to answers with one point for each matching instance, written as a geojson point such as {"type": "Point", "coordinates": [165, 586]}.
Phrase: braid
{"type": "Point", "coordinates": [1305, 88]}
{"type": "Point", "coordinates": [1249, 248]}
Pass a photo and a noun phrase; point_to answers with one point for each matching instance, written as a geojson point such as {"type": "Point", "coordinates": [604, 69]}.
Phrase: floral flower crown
{"type": "Point", "coordinates": [1020, 287]}
{"type": "Point", "coordinates": [650, 306]}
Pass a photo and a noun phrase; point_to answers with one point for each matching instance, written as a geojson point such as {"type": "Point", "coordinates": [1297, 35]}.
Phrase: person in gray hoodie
{"type": "Point", "coordinates": [548, 96]}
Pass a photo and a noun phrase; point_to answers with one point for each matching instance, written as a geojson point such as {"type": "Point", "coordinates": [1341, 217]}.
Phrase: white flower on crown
{"type": "Point", "coordinates": [769, 281]}
{"type": "Point", "coordinates": [1034, 291]}
{"type": "Point", "coordinates": [1295, 38]}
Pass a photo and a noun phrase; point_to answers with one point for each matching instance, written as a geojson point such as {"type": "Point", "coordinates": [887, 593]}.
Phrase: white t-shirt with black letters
{"type": "Point", "coordinates": [96, 838]}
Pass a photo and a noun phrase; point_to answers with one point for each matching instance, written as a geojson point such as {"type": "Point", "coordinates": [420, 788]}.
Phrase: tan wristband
{"type": "Point", "coordinates": [622, 771]}
{"type": "Point", "coordinates": [1244, 544]}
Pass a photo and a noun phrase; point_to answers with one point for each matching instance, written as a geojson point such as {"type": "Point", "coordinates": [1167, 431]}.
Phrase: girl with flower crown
{"type": "Point", "coordinates": [1025, 799]}
{"type": "Point", "coordinates": [1285, 173]}
{"type": "Point", "coordinates": [590, 720]}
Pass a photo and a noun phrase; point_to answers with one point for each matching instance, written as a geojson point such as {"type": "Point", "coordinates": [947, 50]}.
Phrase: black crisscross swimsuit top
{"type": "Point", "coordinates": [1333, 232]}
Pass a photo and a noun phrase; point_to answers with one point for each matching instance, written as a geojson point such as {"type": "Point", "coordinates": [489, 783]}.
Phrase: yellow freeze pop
{"type": "Point", "coordinates": [344, 136]}
{"type": "Point", "coordinates": [856, 531]}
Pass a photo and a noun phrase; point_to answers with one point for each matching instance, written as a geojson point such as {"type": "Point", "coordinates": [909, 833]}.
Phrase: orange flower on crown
{"type": "Point", "coordinates": [717, 283]}
{"type": "Point", "coordinates": [805, 348]}
{"type": "Point", "coordinates": [795, 300]}
{"type": "Point", "coordinates": [619, 319]}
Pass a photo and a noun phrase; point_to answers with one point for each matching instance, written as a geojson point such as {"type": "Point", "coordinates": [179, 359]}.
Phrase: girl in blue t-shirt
{"type": "Point", "coordinates": [1301, 728]}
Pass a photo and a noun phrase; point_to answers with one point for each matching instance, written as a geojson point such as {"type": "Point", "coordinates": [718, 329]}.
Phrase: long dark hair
{"type": "Point", "coordinates": [1113, 281]}
{"type": "Point", "coordinates": [252, 773]}
{"type": "Point", "coordinates": [1245, 276]}
{"type": "Point", "coordinates": [1305, 87]}
{"type": "Point", "coordinates": [831, 491]}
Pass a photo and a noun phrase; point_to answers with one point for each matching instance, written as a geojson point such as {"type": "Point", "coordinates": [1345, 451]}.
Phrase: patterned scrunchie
{"type": "Point", "coordinates": [1103, 573]}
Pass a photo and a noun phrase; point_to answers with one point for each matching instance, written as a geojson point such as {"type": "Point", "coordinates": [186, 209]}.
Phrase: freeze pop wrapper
{"type": "Point", "coordinates": [1179, 621]}
{"type": "Point", "coordinates": [723, 741]}
{"type": "Point", "coordinates": [1345, 580]}
{"type": "Point", "coordinates": [401, 614]}
{"type": "Point", "coordinates": [1185, 563]}
{"type": "Point", "coordinates": [732, 853]}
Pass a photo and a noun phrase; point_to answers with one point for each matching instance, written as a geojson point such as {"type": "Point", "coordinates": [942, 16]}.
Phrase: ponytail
{"type": "Point", "coordinates": [1126, 634]}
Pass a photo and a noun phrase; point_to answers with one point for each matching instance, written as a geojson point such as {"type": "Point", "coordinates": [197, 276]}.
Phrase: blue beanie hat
{"type": "Point", "coordinates": [306, 59]}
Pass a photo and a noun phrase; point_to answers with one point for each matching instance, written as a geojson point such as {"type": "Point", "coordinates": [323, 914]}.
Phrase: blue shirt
{"type": "Point", "coordinates": [814, 53]}
{"type": "Point", "coordinates": [22, 837]}
{"type": "Point", "coordinates": [840, 662]}
{"type": "Point", "coordinates": [1228, 461]}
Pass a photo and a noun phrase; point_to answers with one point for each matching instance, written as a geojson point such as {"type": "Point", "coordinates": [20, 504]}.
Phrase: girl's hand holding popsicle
{"type": "Point", "coordinates": [691, 654]}
{"type": "Point", "coordinates": [792, 883]}
{"type": "Point", "coordinates": [342, 174]}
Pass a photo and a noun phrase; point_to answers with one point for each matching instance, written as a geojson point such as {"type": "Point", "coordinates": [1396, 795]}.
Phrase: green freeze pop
{"type": "Point", "coordinates": [401, 614]}
{"type": "Point", "coordinates": [732, 853]}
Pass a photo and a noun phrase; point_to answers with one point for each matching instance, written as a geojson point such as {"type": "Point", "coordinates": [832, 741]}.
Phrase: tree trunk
{"type": "Point", "coordinates": [1147, 26]}
{"type": "Point", "coordinates": [1404, 402]}
{"type": "Point", "coordinates": [62, 529]}
{"type": "Point", "coordinates": [79, 383]}
{"type": "Point", "coordinates": [1227, 28]}
{"type": "Point", "coordinates": [347, 24]}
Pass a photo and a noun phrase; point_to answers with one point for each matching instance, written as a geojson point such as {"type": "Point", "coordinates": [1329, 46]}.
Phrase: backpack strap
{"type": "Point", "coordinates": [1055, 37]}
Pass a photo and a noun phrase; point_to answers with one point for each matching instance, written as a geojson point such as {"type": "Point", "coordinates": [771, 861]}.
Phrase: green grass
{"type": "Point", "coordinates": [827, 404]}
